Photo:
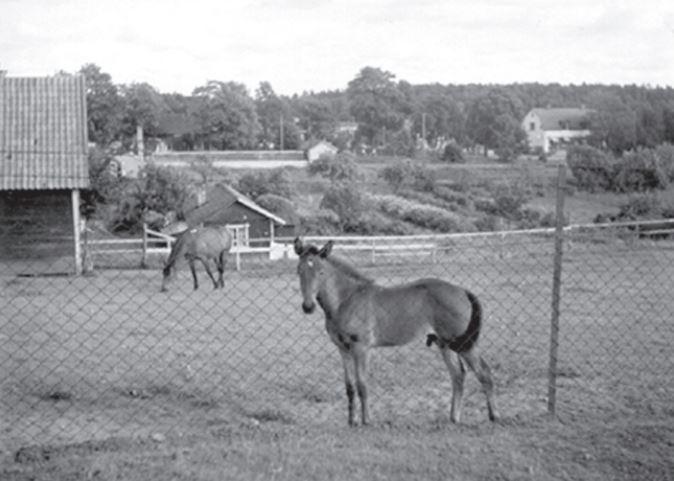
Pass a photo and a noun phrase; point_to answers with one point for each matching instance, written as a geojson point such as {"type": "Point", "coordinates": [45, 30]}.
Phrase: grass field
{"type": "Point", "coordinates": [103, 377]}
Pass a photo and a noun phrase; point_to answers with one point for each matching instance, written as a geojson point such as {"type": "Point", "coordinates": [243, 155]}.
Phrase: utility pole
{"type": "Point", "coordinates": [281, 132]}
{"type": "Point", "coordinates": [423, 125]}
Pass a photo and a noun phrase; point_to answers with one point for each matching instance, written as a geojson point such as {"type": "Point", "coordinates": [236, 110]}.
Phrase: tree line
{"type": "Point", "coordinates": [392, 116]}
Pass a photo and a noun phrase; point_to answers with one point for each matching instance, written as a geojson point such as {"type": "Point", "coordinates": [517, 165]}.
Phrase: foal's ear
{"type": "Point", "coordinates": [298, 246]}
{"type": "Point", "coordinates": [327, 248]}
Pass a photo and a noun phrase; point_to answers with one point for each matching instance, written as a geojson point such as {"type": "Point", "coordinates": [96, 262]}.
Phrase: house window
{"type": "Point", "coordinates": [532, 126]}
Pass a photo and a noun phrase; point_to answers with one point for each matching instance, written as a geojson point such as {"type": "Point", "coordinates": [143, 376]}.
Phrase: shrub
{"type": "Point", "coordinates": [640, 206]}
{"type": "Point", "coordinates": [420, 214]}
{"type": "Point", "coordinates": [278, 205]}
{"type": "Point", "coordinates": [452, 153]}
{"type": "Point", "coordinates": [397, 174]}
{"type": "Point", "coordinates": [347, 202]}
{"type": "Point", "coordinates": [341, 167]}
{"type": "Point", "coordinates": [406, 173]}
{"type": "Point", "coordinates": [255, 184]}
{"type": "Point", "coordinates": [591, 167]}
{"type": "Point", "coordinates": [639, 171]}
{"type": "Point", "coordinates": [665, 156]}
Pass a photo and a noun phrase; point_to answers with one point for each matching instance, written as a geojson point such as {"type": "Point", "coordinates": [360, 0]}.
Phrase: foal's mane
{"type": "Point", "coordinates": [350, 271]}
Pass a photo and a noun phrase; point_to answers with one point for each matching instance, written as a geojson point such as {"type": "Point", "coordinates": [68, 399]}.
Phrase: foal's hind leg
{"type": "Point", "coordinates": [483, 373]}
{"type": "Point", "coordinates": [221, 262]}
{"type": "Point", "coordinates": [208, 271]}
{"type": "Point", "coordinates": [458, 374]}
{"type": "Point", "coordinates": [194, 273]}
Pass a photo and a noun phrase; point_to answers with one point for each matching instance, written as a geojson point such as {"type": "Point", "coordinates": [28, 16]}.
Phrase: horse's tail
{"type": "Point", "coordinates": [467, 340]}
{"type": "Point", "coordinates": [175, 252]}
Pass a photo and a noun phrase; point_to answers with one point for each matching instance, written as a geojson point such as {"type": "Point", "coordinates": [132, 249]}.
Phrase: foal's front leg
{"type": "Point", "coordinates": [361, 360]}
{"type": "Point", "coordinates": [348, 364]}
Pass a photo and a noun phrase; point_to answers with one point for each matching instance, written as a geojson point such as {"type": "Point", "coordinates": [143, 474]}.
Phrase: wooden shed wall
{"type": "Point", "coordinates": [37, 226]}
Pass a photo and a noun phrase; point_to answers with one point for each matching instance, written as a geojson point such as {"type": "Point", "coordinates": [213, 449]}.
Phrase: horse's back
{"type": "Point", "coordinates": [406, 311]}
{"type": "Point", "coordinates": [209, 241]}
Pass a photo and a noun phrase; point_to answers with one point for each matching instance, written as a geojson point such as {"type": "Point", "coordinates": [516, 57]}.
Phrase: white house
{"type": "Point", "coordinates": [547, 128]}
{"type": "Point", "coordinates": [320, 148]}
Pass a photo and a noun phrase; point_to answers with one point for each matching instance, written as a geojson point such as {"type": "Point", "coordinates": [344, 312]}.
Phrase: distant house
{"type": "Point", "coordinates": [127, 165]}
{"type": "Point", "coordinates": [550, 127]}
{"type": "Point", "coordinates": [318, 149]}
{"type": "Point", "coordinates": [43, 167]}
{"type": "Point", "coordinates": [221, 205]}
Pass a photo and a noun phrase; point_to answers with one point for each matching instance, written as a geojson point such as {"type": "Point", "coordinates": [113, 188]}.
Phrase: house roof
{"type": "Point", "coordinates": [43, 133]}
{"type": "Point", "coordinates": [311, 144]}
{"type": "Point", "coordinates": [562, 118]}
{"type": "Point", "coordinates": [220, 197]}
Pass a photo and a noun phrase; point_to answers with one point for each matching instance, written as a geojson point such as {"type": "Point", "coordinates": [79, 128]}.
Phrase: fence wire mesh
{"type": "Point", "coordinates": [105, 355]}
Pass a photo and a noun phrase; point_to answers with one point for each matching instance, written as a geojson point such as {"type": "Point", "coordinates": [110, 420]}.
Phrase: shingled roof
{"type": "Point", "coordinates": [43, 133]}
{"type": "Point", "coordinates": [563, 118]}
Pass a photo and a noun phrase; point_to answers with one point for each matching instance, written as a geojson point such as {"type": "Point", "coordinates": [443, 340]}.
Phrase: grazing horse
{"type": "Point", "coordinates": [203, 243]}
{"type": "Point", "coordinates": [360, 315]}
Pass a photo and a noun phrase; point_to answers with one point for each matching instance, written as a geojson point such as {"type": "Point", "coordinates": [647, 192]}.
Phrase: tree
{"type": "Point", "coordinates": [341, 167]}
{"type": "Point", "coordinates": [376, 103]}
{"type": "Point", "coordinates": [275, 117]}
{"type": "Point", "coordinates": [143, 106]}
{"type": "Point", "coordinates": [226, 116]}
{"type": "Point", "coordinates": [493, 121]}
{"type": "Point", "coordinates": [613, 123]}
{"type": "Point", "coordinates": [104, 105]}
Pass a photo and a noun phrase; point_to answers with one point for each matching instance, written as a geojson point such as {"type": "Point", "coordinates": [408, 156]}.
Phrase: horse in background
{"type": "Point", "coordinates": [204, 244]}
{"type": "Point", "coordinates": [360, 315]}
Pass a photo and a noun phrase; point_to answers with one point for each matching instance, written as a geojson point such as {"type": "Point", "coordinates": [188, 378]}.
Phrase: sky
{"type": "Point", "coordinates": [315, 45]}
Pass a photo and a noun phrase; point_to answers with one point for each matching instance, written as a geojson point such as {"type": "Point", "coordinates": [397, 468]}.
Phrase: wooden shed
{"type": "Point", "coordinates": [43, 167]}
{"type": "Point", "coordinates": [223, 205]}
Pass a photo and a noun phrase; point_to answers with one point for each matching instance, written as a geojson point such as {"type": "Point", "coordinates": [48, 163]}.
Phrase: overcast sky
{"type": "Point", "coordinates": [302, 45]}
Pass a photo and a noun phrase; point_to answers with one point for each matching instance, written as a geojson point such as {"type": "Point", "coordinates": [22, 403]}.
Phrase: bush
{"type": "Point", "coordinates": [452, 153]}
{"type": "Point", "coordinates": [255, 184]}
{"type": "Point", "coordinates": [421, 214]}
{"type": "Point", "coordinates": [342, 167]}
{"type": "Point", "coordinates": [592, 168]}
{"type": "Point", "coordinates": [665, 155]}
{"type": "Point", "coordinates": [406, 173]}
{"type": "Point", "coordinates": [507, 201]}
{"type": "Point", "coordinates": [280, 206]}
{"type": "Point", "coordinates": [347, 202]}
{"type": "Point", "coordinates": [397, 174]}
{"type": "Point", "coordinates": [639, 171]}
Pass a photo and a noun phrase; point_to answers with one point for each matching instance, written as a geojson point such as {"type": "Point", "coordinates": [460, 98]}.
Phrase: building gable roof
{"type": "Point", "coordinates": [222, 196]}
{"type": "Point", "coordinates": [43, 133]}
{"type": "Point", "coordinates": [563, 118]}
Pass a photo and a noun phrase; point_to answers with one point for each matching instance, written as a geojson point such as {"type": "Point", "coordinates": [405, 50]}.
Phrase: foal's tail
{"type": "Point", "coordinates": [467, 340]}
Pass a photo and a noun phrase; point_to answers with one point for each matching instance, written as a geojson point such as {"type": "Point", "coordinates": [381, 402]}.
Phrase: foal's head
{"type": "Point", "coordinates": [311, 269]}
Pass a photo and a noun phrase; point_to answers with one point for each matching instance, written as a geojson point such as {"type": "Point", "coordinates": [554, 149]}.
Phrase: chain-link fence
{"type": "Point", "coordinates": [106, 354]}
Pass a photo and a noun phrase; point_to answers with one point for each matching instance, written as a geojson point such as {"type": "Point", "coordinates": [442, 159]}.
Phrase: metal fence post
{"type": "Point", "coordinates": [556, 289]}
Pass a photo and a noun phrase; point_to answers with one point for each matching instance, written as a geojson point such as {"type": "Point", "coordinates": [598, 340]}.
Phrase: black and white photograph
{"type": "Point", "coordinates": [336, 240]}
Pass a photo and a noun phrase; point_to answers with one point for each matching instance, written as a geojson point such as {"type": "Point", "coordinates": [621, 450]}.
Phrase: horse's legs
{"type": "Point", "coordinates": [458, 373]}
{"type": "Point", "coordinates": [361, 357]}
{"type": "Point", "coordinates": [348, 363]}
{"type": "Point", "coordinates": [483, 373]}
{"type": "Point", "coordinates": [208, 271]}
{"type": "Point", "coordinates": [194, 273]}
{"type": "Point", "coordinates": [222, 260]}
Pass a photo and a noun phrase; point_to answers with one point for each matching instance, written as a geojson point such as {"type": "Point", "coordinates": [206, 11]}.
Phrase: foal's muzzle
{"type": "Point", "coordinates": [308, 308]}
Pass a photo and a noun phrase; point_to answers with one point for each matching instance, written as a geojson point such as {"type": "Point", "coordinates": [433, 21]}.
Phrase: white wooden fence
{"type": "Point", "coordinates": [153, 242]}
